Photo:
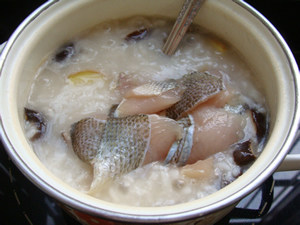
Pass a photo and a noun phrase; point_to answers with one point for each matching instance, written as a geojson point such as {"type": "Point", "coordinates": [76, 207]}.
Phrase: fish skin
{"type": "Point", "coordinates": [153, 88]}
{"type": "Point", "coordinates": [181, 149]}
{"type": "Point", "coordinates": [124, 143]}
{"type": "Point", "coordinates": [86, 138]}
{"type": "Point", "coordinates": [199, 87]}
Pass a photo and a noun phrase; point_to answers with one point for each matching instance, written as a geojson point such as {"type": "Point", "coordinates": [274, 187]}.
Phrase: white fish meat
{"type": "Point", "coordinates": [150, 98]}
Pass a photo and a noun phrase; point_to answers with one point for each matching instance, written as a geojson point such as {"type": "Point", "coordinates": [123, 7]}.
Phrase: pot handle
{"type": "Point", "coordinates": [291, 161]}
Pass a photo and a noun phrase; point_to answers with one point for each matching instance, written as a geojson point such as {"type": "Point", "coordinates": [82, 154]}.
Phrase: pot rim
{"type": "Point", "coordinates": [167, 217]}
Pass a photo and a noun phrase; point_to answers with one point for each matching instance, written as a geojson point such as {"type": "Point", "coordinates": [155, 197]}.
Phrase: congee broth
{"type": "Point", "coordinates": [114, 117]}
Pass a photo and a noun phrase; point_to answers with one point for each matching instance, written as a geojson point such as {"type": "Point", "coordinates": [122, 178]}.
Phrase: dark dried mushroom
{"type": "Point", "coordinates": [260, 121]}
{"type": "Point", "coordinates": [65, 52]}
{"type": "Point", "coordinates": [137, 35]}
{"type": "Point", "coordinates": [38, 120]}
{"type": "Point", "coordinates": [243, 153]}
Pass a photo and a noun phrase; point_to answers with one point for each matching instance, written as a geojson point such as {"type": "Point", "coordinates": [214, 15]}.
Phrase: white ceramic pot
{"type": "Point", "coordinates": [257, 41]}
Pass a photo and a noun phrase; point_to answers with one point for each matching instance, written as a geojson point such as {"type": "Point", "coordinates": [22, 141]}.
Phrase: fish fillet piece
{"type": "Point", "coordinates": [150, 98]}
{"type": "Point", "coordinates": [199, 87]}
{"type": "Point", "coordinates": [181, 149]}
{"type": "Point", "coordinates": [125, 83]}
{"type": "Point", "coordinates": [215, 131]}
{"type": "Point", "coordinates": [86, 137]}
{"type": "Point", "coordinates": [202, 169]}
{"type": "Point", "coordinates": [164, 132]}
{"type": "Point", "coordinates": [219, 100]}
{"type": "Point", "coordinates": [123, 146]}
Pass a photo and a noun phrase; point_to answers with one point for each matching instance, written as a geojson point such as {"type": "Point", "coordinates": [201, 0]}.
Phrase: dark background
{"type": "Point", "coordinates": [33, 207]}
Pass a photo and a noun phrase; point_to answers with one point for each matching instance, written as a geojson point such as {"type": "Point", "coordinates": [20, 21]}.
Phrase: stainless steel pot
{"type": "Point", "coordinates": [257, 41]}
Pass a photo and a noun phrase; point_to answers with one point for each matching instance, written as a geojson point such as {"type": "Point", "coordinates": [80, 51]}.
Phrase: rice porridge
{"type": "Point", "coordinates": [114, 117]}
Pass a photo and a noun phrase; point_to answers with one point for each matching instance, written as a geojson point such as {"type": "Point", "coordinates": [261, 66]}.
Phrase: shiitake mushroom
{"type": "Point", "coordinates": [64, 52]}
{"type": "Point", "coordinates": [137, 34]}
{"type": "Point", "coordinates": [243, 153]}
{"type": "Point", "coordinates": [38, 120]}
{"type": "Point", "coordinates": [260, 122]}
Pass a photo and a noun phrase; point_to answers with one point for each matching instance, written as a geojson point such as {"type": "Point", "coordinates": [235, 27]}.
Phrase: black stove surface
{"type": "Point", "coordinates": [23, 203]}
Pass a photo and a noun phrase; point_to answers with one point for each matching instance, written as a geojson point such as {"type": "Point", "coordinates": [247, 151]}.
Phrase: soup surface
{"type": "Point", "coordinates": [112, 64]}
